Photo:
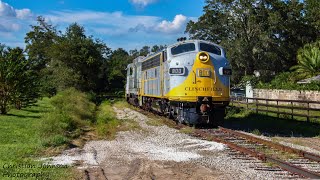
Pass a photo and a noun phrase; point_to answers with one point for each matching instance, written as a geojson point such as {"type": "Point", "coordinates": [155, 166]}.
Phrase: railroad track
{"type": "Point", "coordinates": [286, 162]}
{"type": "Point", "coordinates": [280, 158]}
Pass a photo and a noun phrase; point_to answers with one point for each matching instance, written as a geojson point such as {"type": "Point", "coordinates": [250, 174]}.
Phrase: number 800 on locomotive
{"type": "Point", "coordinates": [188, 81]}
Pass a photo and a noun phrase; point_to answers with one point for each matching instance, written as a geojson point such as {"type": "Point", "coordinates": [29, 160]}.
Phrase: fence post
{"type": "Point", "coordinates": [247, 101]}
{"type": "Point", "coordinates": [267, 102]}
{"type": "Point", "coordinates": [257, 106]}
{"type": "Point", "coordinates": [308, 119]}
{"type": "Point", "coordinates": [291, 110]}
{"type": "Point", "coordinates": [278, 108]}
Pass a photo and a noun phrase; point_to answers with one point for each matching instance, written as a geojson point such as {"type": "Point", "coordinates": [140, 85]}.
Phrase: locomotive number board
{"type": "Point", "coordinates": [227, 71]}
{"type": "Point", "coordinates": [179, 71]}
{"type": "Point", "coordinates": [204, 72]}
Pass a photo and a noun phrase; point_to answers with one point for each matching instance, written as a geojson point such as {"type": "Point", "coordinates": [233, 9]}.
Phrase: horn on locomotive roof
{"type": "Point", "coordinates": [181, 39]}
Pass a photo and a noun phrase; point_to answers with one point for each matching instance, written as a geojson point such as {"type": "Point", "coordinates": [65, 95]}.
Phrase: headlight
{"type": "Point", "coordinates": [204, 57]}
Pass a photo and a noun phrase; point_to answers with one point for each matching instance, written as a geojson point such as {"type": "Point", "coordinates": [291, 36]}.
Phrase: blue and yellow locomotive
{"type": "Point", "coordinates": [188, 81]}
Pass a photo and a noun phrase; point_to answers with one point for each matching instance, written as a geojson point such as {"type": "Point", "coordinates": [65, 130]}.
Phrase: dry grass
{"type": "Point", "coordinates": [187, 130]}
{"type": "Point", "coordinates": [121, 104]}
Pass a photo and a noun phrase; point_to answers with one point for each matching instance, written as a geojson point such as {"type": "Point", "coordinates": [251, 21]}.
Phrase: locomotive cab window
{"type": "Point", "coordinates": [187, 47]}
{"type": "Point", "coordinates": [164, 56]}
{"type": "Point", "coordinates": [210, 48]}
{"type": "Point", "coordinates": [130, 71]}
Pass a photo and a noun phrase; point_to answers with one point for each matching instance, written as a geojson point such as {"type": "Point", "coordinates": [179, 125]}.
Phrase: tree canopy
{"type": "Point", "coordinates": [258, 35]}
{"type": "Point", "coordinates": [18, 83]}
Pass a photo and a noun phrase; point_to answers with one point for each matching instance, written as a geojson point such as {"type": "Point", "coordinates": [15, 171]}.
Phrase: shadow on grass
{"type": "Point", "coordinates": [23, 116]}
{"type": "Point", "coordinates": [271, 126]}
{"type": "Point", "coordinates": [35, 111]}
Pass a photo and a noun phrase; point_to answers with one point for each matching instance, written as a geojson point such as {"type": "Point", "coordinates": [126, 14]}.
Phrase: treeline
{"type": "Point", "coordinates": [54, 61]}
{"type": "Point", "coordinates": [263, 35]}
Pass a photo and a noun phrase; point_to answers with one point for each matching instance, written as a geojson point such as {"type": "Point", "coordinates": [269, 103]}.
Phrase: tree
{"type": "Point", "coordinates": [155, 48]}
{"type": "Point", "coordinates": [312, 9]}
{"type": "Point", "coordinates": [117, 68]}
{"type": "Point", "coordinates": [144, 51]}
{"type": "Point", "coordinates": [134, 53]}
{"type": "Point", "coordinates": [38, 43]}
{"type": "Point", "coordinates": [18, 82]}
{"type": "Point", "coordinates": [308, 60]}
{"type": "Point", "coordinates": [76, 60]}
{"type": "Point", "coordinates": [258, 35]}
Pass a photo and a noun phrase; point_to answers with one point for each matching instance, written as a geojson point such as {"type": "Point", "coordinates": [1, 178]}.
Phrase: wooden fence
{"type": "Point", "coordinates": [280, 106]}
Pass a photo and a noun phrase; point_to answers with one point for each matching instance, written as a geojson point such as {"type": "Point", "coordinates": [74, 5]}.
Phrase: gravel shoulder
{"type": "Point", "coordinates": [157, 152]}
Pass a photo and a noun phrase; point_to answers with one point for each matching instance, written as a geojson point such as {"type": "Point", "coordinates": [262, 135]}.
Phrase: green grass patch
{"type": "Point", "coordinates": [122, 104]}
{"type": "Point", "coordinates": [256, 132]}
{"type": "Point", "coordinates": [249, 121]}
{"type": "Point", "coordinates": [21, 144]}
{"type": "Point", "coordinates": [71, 113]}
{"type": "Point", "coordinates": [285, 110]}
{"type": "Point", "coordinates": [107, 123]}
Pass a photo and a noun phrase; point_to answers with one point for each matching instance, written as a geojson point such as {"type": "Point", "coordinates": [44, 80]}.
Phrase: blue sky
{"type": "Point", "coordinates": [128, 24]}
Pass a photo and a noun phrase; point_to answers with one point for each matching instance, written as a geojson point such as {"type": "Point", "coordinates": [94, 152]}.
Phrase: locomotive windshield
{"type": "Point", "coordinates": [183, 48]}
{"type": "Point", "coordinates": [210, 48]}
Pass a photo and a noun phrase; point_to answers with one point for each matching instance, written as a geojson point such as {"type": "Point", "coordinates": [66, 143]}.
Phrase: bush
{"type": "Point", "coordinates": [72, 111]}
{"type": "Point", "coordinates": [288, 81]}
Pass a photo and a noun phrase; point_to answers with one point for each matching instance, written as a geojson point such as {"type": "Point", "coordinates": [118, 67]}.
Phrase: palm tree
{"type": "Point", "coordinates": [308, 60]}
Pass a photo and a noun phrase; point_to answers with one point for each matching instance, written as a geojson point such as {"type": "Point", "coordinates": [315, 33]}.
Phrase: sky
{"type": "Point", "coordinates": [128, 24]}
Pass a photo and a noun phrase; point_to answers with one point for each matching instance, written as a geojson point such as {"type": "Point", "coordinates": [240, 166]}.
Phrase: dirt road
{"type": "Point", "coordinates": [156, 152]}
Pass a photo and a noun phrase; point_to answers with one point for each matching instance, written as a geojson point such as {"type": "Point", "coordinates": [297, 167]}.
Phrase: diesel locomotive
{"type": "Point", "coordinates": [188, 81]}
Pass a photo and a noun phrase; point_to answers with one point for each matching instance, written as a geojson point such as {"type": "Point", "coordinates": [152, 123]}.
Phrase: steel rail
{"type": "Point", "coordinates": [304, 154]}
{"type": "Point", "coordinates": [261, 156]}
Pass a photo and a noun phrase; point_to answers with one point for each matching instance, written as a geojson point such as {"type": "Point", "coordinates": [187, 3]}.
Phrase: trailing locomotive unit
{"type": "Point", "coordinates": [188, 81]}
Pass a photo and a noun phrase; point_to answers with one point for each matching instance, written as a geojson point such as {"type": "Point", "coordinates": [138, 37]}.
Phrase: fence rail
{"type": "Point", "coordinates": [280, 106]}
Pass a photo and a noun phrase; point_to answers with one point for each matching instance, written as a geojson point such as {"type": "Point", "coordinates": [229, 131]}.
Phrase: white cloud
{"type": "Point", "coordinates": [8, 11]}
{"type": "Point", "coordinates": [116, 23]}
{"type": "Point", "coordinates": [11, 19]}
{"type": "Point", "coordinates": [166, 27]}
{"type": "Point", "coordinates": [142, 3]}
{"type": "Point", "coordinates": [120, 30]}
{"type": "Point", "coordinates": [114, 19]}
{"type": "Point", "coordinates": [24, 13]}
{"type": "Point", "coordinates": [176, 25]}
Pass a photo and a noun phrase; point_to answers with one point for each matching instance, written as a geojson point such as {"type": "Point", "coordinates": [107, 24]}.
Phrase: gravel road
{"type": "Point", "coordinates": [157, 152]}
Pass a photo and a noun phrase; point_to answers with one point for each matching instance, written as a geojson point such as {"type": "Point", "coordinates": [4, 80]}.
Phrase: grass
{"type": "Point", "coordinates": [50, 127]}
{"type": "Point", "coordinates": [21, 144]}
{"type": "Point", "coordinates": [256, 132]}
{"type": "Point", "coordinates": [249, 121]}
{"type": "Point", "coordinates": [71, 113]}
{"type": "Point", "coordinates": [155, 122]}
{"type": "Point", "coordinates": [285, 116]}
{"type": "Point", "coordinates": [108, 125]}
{"type": "Point", "coordinates": [187, 130]}
{"type": "Point", "coordinates": [121, 104]}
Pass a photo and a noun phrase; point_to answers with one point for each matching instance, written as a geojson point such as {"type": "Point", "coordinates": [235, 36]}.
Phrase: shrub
{"type": "Point", "coordinates": [308, 60]}
{"type": "Point", "coordinates": [288, 81]}
{"type": "Point", "coordinates": [72, 111]}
